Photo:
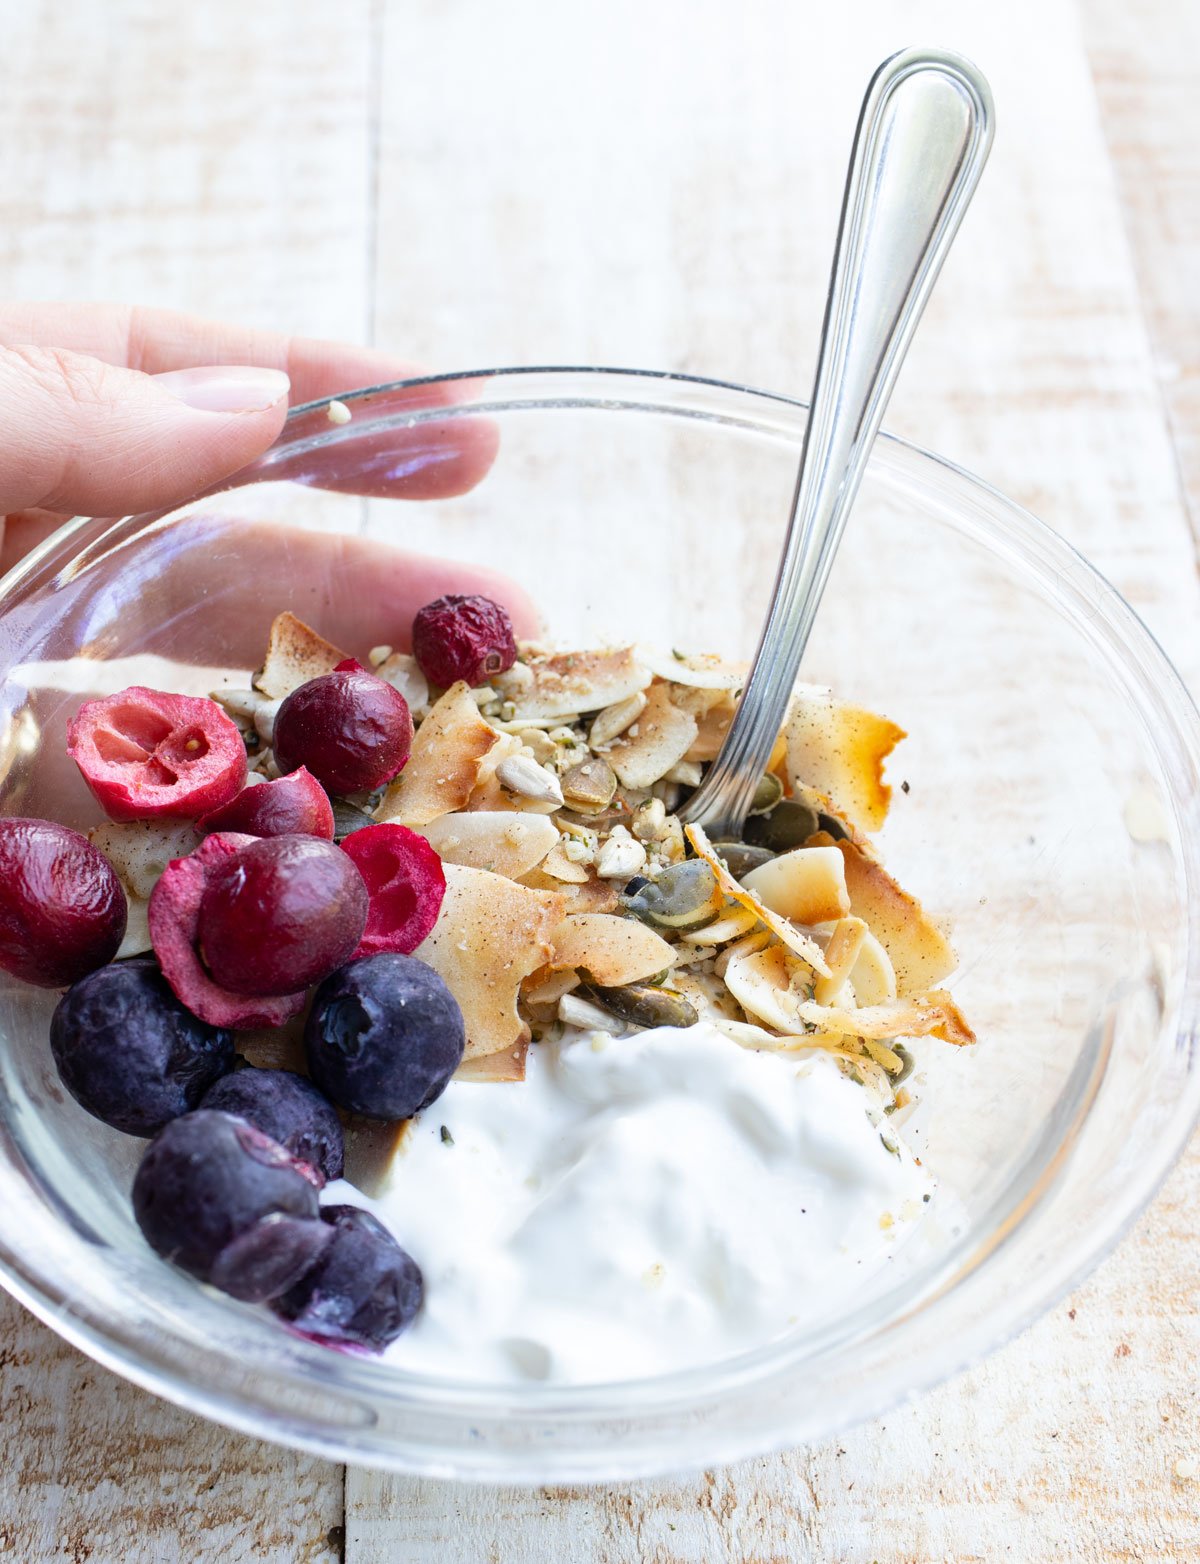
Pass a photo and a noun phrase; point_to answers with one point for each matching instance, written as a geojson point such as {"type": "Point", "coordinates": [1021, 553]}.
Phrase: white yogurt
{"type": "Point", "coordinates": [638, 1205]}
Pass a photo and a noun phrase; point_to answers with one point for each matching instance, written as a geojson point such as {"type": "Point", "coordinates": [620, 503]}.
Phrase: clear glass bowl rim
{"type": "Point", "coordinates": [585, 1418]}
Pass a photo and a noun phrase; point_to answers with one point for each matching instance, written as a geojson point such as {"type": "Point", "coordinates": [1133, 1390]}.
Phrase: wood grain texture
{"type": "Point", "coordinates": [658, 186]}
{"type": "Point", "coordinates": [665, 193]}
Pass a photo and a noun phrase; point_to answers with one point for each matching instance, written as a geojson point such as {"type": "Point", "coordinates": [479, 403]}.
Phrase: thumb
{"type": "Point", "coordinates": [87, 438]}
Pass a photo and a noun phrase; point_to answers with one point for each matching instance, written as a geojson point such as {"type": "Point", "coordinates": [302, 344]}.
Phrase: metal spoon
{"type": "Point", "coordinates": [923, 137]}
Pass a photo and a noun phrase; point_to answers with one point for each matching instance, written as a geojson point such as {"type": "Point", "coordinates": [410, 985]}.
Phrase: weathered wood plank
{"type": "Point", "coordinates": [663, 190]}
{"type": "Point", "coordinates": [214, 158]}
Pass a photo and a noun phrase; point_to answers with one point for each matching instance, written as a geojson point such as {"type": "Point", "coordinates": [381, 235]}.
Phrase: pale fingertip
{"type": "Point", "coordinates": [226, 388]}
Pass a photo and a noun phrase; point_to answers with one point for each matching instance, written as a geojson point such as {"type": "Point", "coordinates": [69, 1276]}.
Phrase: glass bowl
{"type": "Point", "coordinates": [1049, 806]}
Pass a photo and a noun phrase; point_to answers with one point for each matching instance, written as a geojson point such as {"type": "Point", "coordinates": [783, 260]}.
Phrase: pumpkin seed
{"type": "Point", "coordinates": [643, 1004]}
{"type": "Point", "coordinates": [767, 794]}
{"type": "Point", "coordinates": [790, 824]}
{"type": "Point", "coordinates": [348, 818]}
{"type": "Point", "coordinates": [741, 857]}
{"type": "Point", "coordinates": [589, 785]}
{"type": "Point", "coordinates": [684, 896]}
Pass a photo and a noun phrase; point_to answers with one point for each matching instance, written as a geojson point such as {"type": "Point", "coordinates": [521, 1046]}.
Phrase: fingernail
{"type": "Point", "coordinates": [226, 388]}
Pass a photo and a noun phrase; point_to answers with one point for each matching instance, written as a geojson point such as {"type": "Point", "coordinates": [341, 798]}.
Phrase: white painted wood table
{"type": "Point", "coordinates": [657, 185]}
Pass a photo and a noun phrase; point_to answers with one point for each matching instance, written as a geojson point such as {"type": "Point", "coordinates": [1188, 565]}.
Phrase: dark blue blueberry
{"type": "Point", "coordinates": [384, 1036]}
{"type": "Point", "coordinates": [270, 1257]}
{"type": "Point", "coordinates": [364, 1290]}
{"type": "Point", "coordinates": [205, 1179]}
{"type": "Point", "coordinates": [130, 1053]}
{"type": "Point", "coordinates": [289, 1109]}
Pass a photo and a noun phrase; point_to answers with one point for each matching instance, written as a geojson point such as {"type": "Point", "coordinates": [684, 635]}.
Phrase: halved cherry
{"type": "Point", "coordinates": [175, 932]}
{"type": "Point", "coordinates": [147, 753]}
{"type": "Point", "coordinates": [405, 883]}
{"type": "Point", "coordinates": [295, 805]}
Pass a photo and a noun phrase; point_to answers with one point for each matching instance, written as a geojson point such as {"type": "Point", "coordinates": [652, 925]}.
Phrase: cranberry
{"type": "Point", "coordinates": [280, 914]}
{"type": "Point", "coordinates": [174, 929]}
{"type": "Point", "coordinates": [352, 730]}
{"type": "Point", "coordinates": [146, 752]}
{"type": "Point", "coordinates": [405, 882]}
{"type": "Point", "coordinates": [62, 909]}
{"type": "Point", "coordinates": [457, 637]}
{"type": "Point", "coordinates": [295, 805]}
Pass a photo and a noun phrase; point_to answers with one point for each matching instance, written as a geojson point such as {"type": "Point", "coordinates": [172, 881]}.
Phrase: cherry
{"type": "Point", "coordinates": [281, 913]}
{"type": "Point", "coordinates": [463, 637]}
{"type": "Point", "coordinates": [295, 805]}
{"type": "Point", "coordinates": [352, 730]}
{"type": "Point", "coordinates": [405, 882]}
{"type": "Point", "coordinates": [62, 909]}
{"type": "Point", "coordinates": [146, 753]}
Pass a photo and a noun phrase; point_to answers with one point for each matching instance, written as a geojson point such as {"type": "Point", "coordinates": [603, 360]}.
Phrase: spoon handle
{"type": "Point", "coordinates": [923, 137]}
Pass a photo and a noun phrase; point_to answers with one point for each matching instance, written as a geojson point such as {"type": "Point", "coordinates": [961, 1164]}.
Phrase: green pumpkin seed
{"type": "Point", "coordinates": [348, 818]}
{"type": "Point", "coordinates": [740, 857]}
{"type": "Point", "coordinates": [684, 896]}
{"type": "Point", "coordinates": [643, 1005]}
{"type": "Point", "coordinates": [767, 794]}
{"type": "Point", "coordinates": [790, 824]}
{"type": "Point", "coordinates": [590, 785]}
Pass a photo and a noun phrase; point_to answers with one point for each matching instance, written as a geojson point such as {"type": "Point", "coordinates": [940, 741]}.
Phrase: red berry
{"type": "Point", "coordinates": [459, 637]}
{"type": "Point", "coordinates": [62, 909]}
{"type": "Point", "coordinates": [280, 914]}
{"type": "Point", "coordinates": [174, 931]}
{"type": "Point", "coordinates": [405, 882]}
{"type": "Point", "coordinates": [295, 805]}
{"type": "Point", "coordinates": [352, 730]}
{"type": "Point", "coordinates": [146, 752]}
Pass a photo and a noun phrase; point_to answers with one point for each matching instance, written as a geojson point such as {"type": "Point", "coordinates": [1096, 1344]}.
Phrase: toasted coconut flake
{"type": "Point", "coordinates": [930, 1015]}
{"type": "Point", "coordinates": [489, 791]}
{"type": "Point", "coordinates": [799, 944]}
{"type": "Point", "coordinates": [443, 767]}
{"type": "Point", "coordinates": [136, 940]}
{"type": "Point", "coordinates": [700, 670]}
{"type": "Point", "coordinates": [919, 952]}
{"type": "Point", "coordinates": [490, 935]}
{"type": "Point", "coordinates": [770, 984]}
{"type": "Point", "coordinates": [872, 976]}
{"type": "Point", "coordinates": [590, 894]}
{"type": "Point", "coordinates": [664, 734]}
{"type": "Point", "coordinates": [508, 1064]}
{"type": "Point", "coordinates": [712, 726]}
{"type": "Point", "coordinates": [807, 885]}
{"type": "Point", "coordinates": [837, 751]}
{"type": "Point", "coordinates": [612, 950]}
{"type": "Point", "coordinates": [845, 944]}
{"type": "Point", "coordinates": [403, 673]}
{"type": "Point", "coordinates": [295, 654]}
{"type": "Point", "coordinates": [571, 682]}
{"type": "Point", "coordinates": [503, 841]}
{"type": "Point", "coordinates": [558, 866]}
{"type": "Point", "coordinates": [547, 985]}
{"type": "Point", "coordinates": [732, 924]}
{"type": "Point", "coordinates": [139, 850]}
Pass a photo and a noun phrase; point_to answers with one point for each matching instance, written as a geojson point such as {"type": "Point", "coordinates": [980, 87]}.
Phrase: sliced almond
{"type": "Point", "coordinates": [612, 950]}
{"type": "Point", "coordinates": [836, 751]}
{"type": "Point", "coordinates": [547, 985]}
{"type": "Point", "coordinates": [443, 767]}
{"type": "Point", "coordinates": [295, 654]}
{"type": "Point", "coordinates": [591, 894]}
{"type": "Point", "coordinates": [612, 721]}
{"type": "Point", "coordinates": [930, 1015]}
{"type": "Point", "coordinates": [403, 673]}
{"type": "Point", "coordinates": [557, 865]}
{"type": "Point", "coordinates": [919, 952]}
{"type": "Point", "coordinates": [712, 727]}
{"type": "Point", "coordinates": [490, 935]}
{"type": "Point", "coordinates": [799, 944]}
{"type": "Point", "coordinates": [139, 850]}
{"type": "Point", "coordinates": [505, 842]}
{"type": "Point", "coordinates": [769, 984]}
{"type": "Point", "coordinates": [571, 682]}
{"type": "Point", "coordinates": [872, 976]}
{"type": "Point", "coordinates": [807, 885]}
{"type": "Point", "coordinates": [702, 670]}
{"type": "Point", "coordinates": [733, 924]}
{"type": "Point", "coordinates": [664, 734]}
{"type": "Point", "coordinates": [842, 951]}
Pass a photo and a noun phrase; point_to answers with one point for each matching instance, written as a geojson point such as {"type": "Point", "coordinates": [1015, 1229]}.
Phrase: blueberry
{"type": "Point", "coordinates": [364, 1290]}
{"type": "Point", "coordinates": [130, 1053]}
{"type": "Point", "coordinates": [205, 1179]}
{"type": "Point", "coordinates": [289, 1109]}
{"type": "Point", "coordinates": [270, 1257]}
{"type": "Point", "coordinates": [384, 1036]}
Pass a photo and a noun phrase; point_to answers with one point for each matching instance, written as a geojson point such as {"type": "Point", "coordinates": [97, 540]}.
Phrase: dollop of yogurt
{"type": "Point", "coordinates": [638, 1205]}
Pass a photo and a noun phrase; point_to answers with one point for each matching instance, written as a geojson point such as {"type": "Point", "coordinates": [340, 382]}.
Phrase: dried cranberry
{"type": "Point", "coordinates": [62, 909]}
{"type": "Point", "coordinates": [295, 805]}
{"type": "Point", "coordinates": [174, 929]}
{"type": "Point", "coordinates": [405, 882]}
{"type": "Point", "coordinates": [280, 914]}
{"type": "Point", "coordinates": [146, 752]}
{"type": "Point", "coordinates": [352, 730]}
{"type": "Point", "coordinates": [463, 637]}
